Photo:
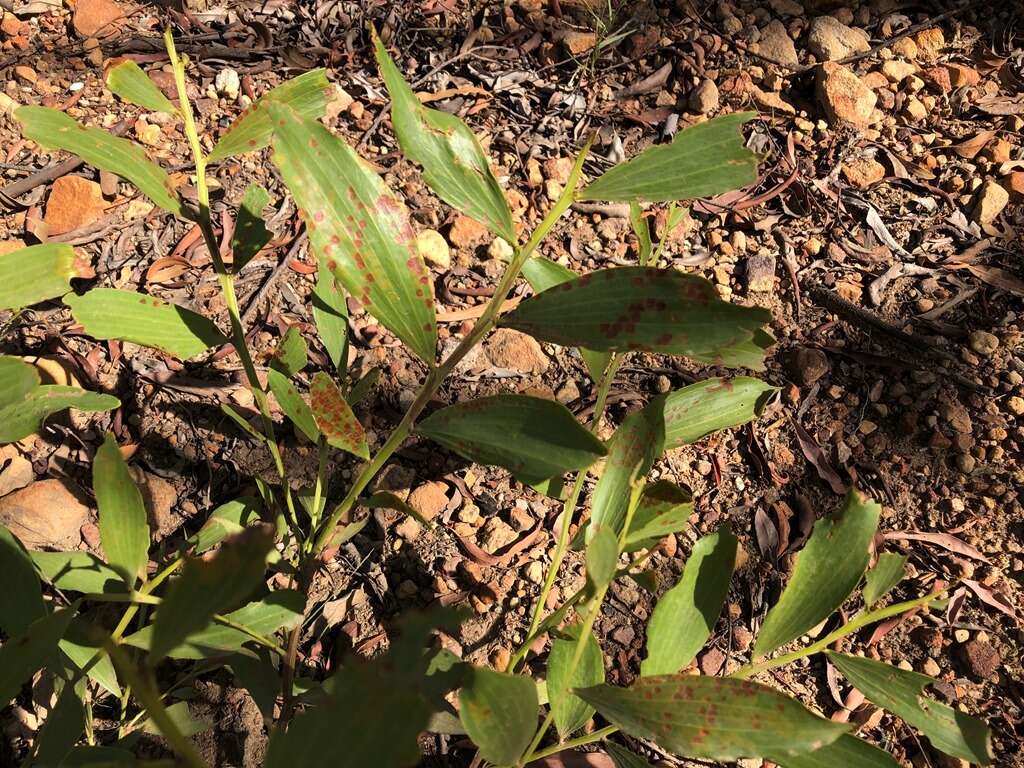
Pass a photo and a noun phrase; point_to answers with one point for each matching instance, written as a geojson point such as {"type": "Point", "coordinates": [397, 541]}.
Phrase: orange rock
{"type": "Point", "coordinates": [863, 172]}
{"type": "Point", "coordinates": [73, 202]}
{"type": "Point", "coordinates": [960, 75]}
{"type": "Point", "coordinates": [7, 246]}
{"type": "Point", "coordinates": [97, 18]}
{"type": "Point", "coordinates": [930, 43]}
{"type": "Point", "coordinates": [1014, 184]}
{"type": "Point", "coordinates": [466, 233]}
{"type": "Point", "coordinates": [999, 151]}
{"type": "Point", "coordinates": [843, 95]}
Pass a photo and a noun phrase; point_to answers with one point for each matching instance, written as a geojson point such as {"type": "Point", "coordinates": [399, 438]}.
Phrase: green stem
{"type": "Point", "coordinates": [580, 741]}
{"type": "Point", "coordinates": [439, 373]}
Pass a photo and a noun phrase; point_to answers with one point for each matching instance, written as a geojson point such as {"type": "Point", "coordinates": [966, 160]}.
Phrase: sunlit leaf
{"type": "Point", "coordinates": [887, 573]}
{"type": "Point", "coordinates": [226, 520]}
{"type": "Point", "coordinates": [252, 130]}
{"type": "Point", "coordinates": [641, 308]}
{"type": "Point", "coordinates": [454, 163]}
{"type": "Point", "coordinates": [632, 451]}
{"type": "Point", "coordinates": [127, 81]}
{"type": "Point", "coordinates": [712, 717]}
{"type": "Point", "coordinates": [357, 227]}
{"type": "Point", "coordinates": [17, 380]}
{"type": "Point", "coordinates": [53, 129]}
{"type": "Point", "coordinates": [82, 646]}
{"type": "Point", "coordinates": [334, 416]}
{"type": "Point", "coordinates": [21, 598]}
{"type": "Point", "coordinates": [602, 557]}
{"type": "Point", "coordinates": [290, 357]}
{"type": "Point", "coordinates": [499, 712]}
{"type": "Point", "coordinates": [62, 728]}
{"type": "Point", "coordinates": [541, 274]}
{"type": "Point", "coordinates": [330, 313]}
{"type": "Point", "coordinates": [110, 313]}
{"type": "Point", "coordinates": [124, 530]}
{"type": "Point", "coordinates": [532, 437]}
{"type": "Point", "coordinates": [39, 272]}
{"type": "Point", "coordinates": [78, 572]}
{"type": "Point", "coordinates": [22, 654]}
{"type": "Point", "coordinates": [210, 586]}
{"type": "Point", "coordinates": [293, 404]}
{"type": "Point", "coordinates": [703, 160]}
{"type": "Point", "coordinates": [643, 232]}
{"type": "Point", "coordinates": [664, 508]}
{"type": "Point", "coordinates": [685, 616]}
{"type": "Point", "coordinates": [388, 500]}
{"type": "Point", "coordinates": [699, 409]}
{"type": "Point", "coordinates": [281, 609]}
{"type": "Point", "coordinates": [251, 232]}
{"type": "Point", "coordinates": [570, 711]}
{"type": "Point", "coordinates": [902, 693]}
{"type": "Point", "coordinates": [846, 752]}
{"type": "Point", "coordinates": [20, 420]}
{"type": "Point", "coordinates": [827, 570]}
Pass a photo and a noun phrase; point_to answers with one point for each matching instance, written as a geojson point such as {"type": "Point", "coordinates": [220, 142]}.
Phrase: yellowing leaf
{"type": "Point", "coordinates": [334, 416]}
{"type": "Point", "coordinates": [127, 81]}
{"type": "Point", "coordinates": [39, 272]}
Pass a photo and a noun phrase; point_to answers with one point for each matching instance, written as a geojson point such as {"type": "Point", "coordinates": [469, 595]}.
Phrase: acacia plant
{"type": "Point", "coordinates": [208, 605]}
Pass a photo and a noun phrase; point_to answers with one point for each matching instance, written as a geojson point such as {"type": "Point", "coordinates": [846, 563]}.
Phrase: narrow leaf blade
{"type": "Point", "coordinates": [251, 232]}
{"type": "Point", "coordinates": [703, 160]}
{"type": "Point", "coordinates": [330, 313]}
{"type": "Point", "coordinates": [53, 129]}
{"type": "Point", "coordinates": [24, 653]}
{"type": "Point", "coordinates": [685, 616]}
{"type": "Point", "coordinates": [22, 419]}
{"type": "Point", "coordinates": [570, 711]}
{"type": "Point", "coordinates": [718, 718]}
{"type": "Point", "coordinates": [293, 405]}
{"type": "Point", "coordinates": [887, 573]}
{"type": "Point", "coordinates": [664, 508]}
{"type": "Point", "coordinates": [827, 570]}
{"type": "Point", "coordinates": [641, 308]}
{"type": "Point", "coordinates": [532, 437]}
{"type": "Point", "coordinates": [78, 572]}
{"type": "Point", "coordinates": [499, 713]}
{"type": "Point", "coordinates": [226, 520]}
{"type": "Point", "coordinates": [697, 410]}
{"type": "Point", "coordinates": [127, 81]}
{"type": "Point", "coordinates": [335, 418]}
{"type": "Point", "coordinates": [21, 599]}
{"type": "Point", "coordinates": [290, 357]}
{"type": "Point", "coordinates": [847, 751]}
{"type": "Point", "coordinates": [124, 530]}
{"type": "Point", "coordinates": [357, 227]}
{"type": "Point", "coordinates": [39, 272]}
{"type": "Point", "coordinates": [110, 313]}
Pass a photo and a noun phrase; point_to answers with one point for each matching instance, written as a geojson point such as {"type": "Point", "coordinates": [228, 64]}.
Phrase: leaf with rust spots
{"type": "Point", "coordinates": [532, 437]}
{"type": "Point", "coordinates": [569, 711]}
{"type": "Point", "coordinates": [641, 308]}
{"type": "Point", "coordinates": [290, 357]}
{"type": "Point", "coordinates": [902, 693]}
{"type": "Point", "coordinates": [292, 404]}
{"type": "Point", "coordinates": [53, 129]}
{"type": "Point", "coordinates": [39, 272]}
{"type": "Point", "coordinates": [845, 752]}
{"type": "Point", "coordinates": [334, 416]}
{"type": "Point", "coordinates": [712, 717]}
{"type": "Point", "coordinates": [664, 508]}
{"type": "Point", "coordinates": [499, 713]}
{"type": "Point", "coordinates": [703, 160]}
{"type": "Point", "coordinates": [454, 163]}
{"type": "Point", "coordinates": [827, 571]}
{"type": "Point", "coordinates": [357, 227]}
{"type": "Point", "coordinates": [251, 131]}
{"type": "Point", "coordinates": [20, 419]}
{"type": "Point", "coordinates": [109, 313]}
{"type": "Point", "coordinates": [700, 409]}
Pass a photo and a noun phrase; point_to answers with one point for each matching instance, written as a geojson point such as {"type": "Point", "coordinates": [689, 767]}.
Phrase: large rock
{"type": "Point", "coordinates": [97, 18]}
{"type": "Point", "coordinates": [989, 203]}
{"type": "Point", "coordinates": [776, 45]}
{"type": "Point", "coordinates": [829, 39]}
{"type": "Point", "coordinates": [73, 203]}
{"type": "Point", "coordinates": [844, 97]}
{"type": "Point", "coordinates": [45, 515]}
{"type": "Point", "coordinates": [704, 98]}
{"type": "Point", "coordinates": [511, 349]}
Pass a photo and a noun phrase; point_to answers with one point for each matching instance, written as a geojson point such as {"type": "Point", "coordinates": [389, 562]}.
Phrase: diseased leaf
{"type": "Point", "coordinates": [20, 420]}
{"type": "Point", "coordinates": [22, 654]}
{"type": "Point", "coordinates": [602, 557]}
{"type": "Point", "coordinates": [846, 752]}
{"type": "Point", "coordinates": [542, 274]}
{"type": "Point", "coordinates": [357, 227]}
{"type": "Point", "coordinates": [623, 758]}
{"type": "Point", "coordinates": [887, 573]}
{"type": "Point", "coordinates": [718, 718]}
{"type": "Point", "coordinates": [52, 129]}
{"type": "Point", "coordinates": [703, 160]}
{"type": "Point", "coordinates": [570, 711]}
{"type": "Point", "coordinates": [454, 163]}
{"type": "Point", "coordinates": [902, 693]}
{"type": "Point", "coordinates": [251, 232]}
{"type": "Point", "coordinates": [210, 586]}
{"type": "Point", "coordinates": [685, 616]}
{"type": "Point", "coordinates": [334, 416]}
{"type": "Point", "coordinates": [39, 272]}
{"type": "Point", "coordinates": [632, 451]}
{"type": "Point", "coordinates": [127, 81]}
{"type": "Point", "coordinates": [330, 313]}
{"type": "Point", "coordinates": [78, 572]}
{"type": "Point", "coordinates": [124, 530]}
{"type": "Point", "coordinates": [21, 598]}
{"type": "Point", "coordinates": [641, 308]}
{"type": "Point", "coordinates": [110, 313]}
{"type": "Point", "coordinates": [827, 570]}
{"type": "Point", "coordinates": [532, 437]}
{"type": "Point", "coordinates": [698, 410]}
{"type": "Point", "coordinates": [293, 405]}
{"type": "Point", "coordinates": [664, 508]}
{"type": "Point", "coordinates": [290, 357]}
{"type": "Point", "coordinates": [499, 712]}
{"type": "Point", "coordinates": [252, 130]}
{"type": "Point", "coordinates": [281, 609]}
{"type": "Point", "coordinates": [226, 520]}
